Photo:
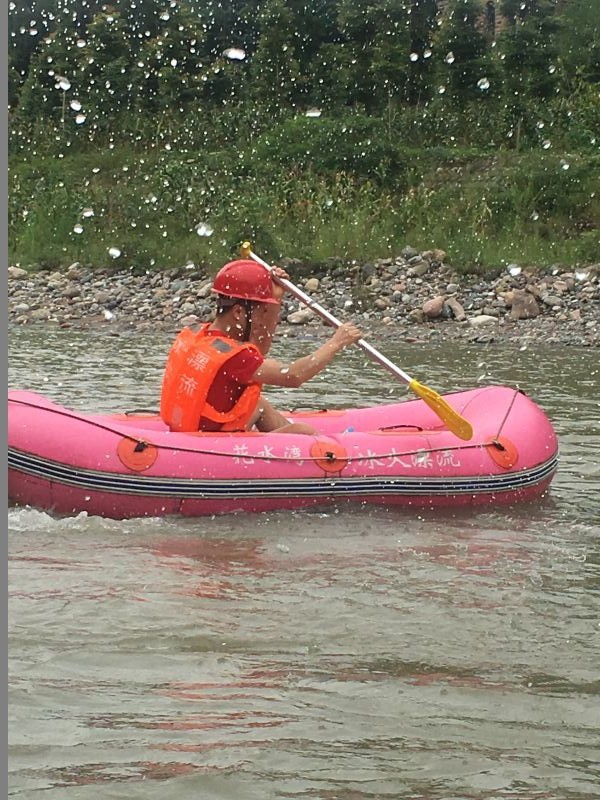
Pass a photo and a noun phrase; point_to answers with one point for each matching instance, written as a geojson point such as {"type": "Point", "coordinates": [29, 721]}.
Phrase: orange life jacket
{"type": "Point", "coordinates": [192, 365]}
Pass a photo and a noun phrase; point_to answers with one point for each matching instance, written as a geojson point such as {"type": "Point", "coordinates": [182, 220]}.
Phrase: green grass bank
{"type": "Point", "coordinates": [304, 188]}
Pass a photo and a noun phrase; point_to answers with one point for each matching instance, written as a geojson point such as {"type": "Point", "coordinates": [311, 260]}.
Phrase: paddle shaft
{"type": "Point", "coordinates": [328, 317]}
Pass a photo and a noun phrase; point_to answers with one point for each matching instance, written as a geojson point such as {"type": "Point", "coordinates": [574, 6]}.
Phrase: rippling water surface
{"type": "Point", "coordinates": [362, 654]}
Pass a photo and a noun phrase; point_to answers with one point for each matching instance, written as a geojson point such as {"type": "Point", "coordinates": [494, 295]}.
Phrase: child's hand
{"type": "Point", "coordinates": [278, 289]}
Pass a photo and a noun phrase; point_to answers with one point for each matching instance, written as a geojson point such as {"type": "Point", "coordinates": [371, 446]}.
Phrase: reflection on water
{"type": "Point", "coordinates": [344, 653]}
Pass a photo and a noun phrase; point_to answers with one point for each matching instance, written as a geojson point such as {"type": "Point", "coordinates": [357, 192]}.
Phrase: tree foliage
{"type": "Point", "coordinates": [370, 55]}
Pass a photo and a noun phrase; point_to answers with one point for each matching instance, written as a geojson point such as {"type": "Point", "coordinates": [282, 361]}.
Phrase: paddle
{"type": "Point", "coordinates": [453, 420]}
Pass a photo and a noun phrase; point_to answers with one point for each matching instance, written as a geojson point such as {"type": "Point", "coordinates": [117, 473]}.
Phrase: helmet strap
{"type": "Point", "coordinates": [248, 306]}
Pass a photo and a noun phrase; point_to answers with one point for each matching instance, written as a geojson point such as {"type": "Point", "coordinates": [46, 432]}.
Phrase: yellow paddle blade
{"type": "Point", "coordinates": [454, 422]}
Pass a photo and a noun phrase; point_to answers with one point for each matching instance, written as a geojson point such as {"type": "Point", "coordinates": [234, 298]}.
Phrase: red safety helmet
{"type": "Point", "coordinates": [245, 279]}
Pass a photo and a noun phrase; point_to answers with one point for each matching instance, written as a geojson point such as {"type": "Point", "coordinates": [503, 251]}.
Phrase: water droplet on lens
{"type": "Point", "coordinates": [203, 229]}
{"type": "Point", "coordinates": [235, 53]}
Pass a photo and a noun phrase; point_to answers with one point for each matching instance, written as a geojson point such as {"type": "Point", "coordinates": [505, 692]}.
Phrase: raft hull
{"type": "Point", "coordinates": [123, 466]}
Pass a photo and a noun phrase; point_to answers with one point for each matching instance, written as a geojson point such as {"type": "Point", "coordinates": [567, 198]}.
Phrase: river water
{"type": "Point", "coordinates": [351, 655]}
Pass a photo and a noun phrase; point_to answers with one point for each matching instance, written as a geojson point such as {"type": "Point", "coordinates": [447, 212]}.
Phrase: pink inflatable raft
{"type": "Point", "coordinates": [129, 465]}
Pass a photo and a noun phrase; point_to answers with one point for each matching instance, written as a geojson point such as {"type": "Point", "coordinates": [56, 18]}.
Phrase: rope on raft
{"type": "Point", "coordinates": [141, 443]}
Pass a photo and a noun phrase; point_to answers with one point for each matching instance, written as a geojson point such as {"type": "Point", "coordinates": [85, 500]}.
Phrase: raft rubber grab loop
{"type": "Point", "coordinates": [503, 451]}
{"type": "Point", "coordinates": [330, 456]}
{"type": "Point", "coordinates": [136, 454]}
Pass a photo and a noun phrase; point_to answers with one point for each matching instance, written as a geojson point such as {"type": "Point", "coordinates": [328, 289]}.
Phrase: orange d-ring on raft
{"type": "Point", "coordinates": [330, 456]}
{"type": "Point", "coordinates": [136, 455]}
{"type": "Point", "coordinates": [503, 451]}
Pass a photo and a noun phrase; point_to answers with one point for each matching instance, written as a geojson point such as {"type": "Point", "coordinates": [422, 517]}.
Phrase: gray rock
{"type": "Point", "coordinates": [456, 310]}
{"type": "Point", "coordinates": [416, 315]}
{"type": "Point", "coordinates": [40, 314]}
{"type": "Point", "coordinates": [419, 268]}
{"type": "Point", "coordinates": [437, 256]}
{"type": "Point", "coordinates": [190, 319]}
{"type": "Point", "coordinates": [490, 311]}
{"type": "Point", "coordinates": [523, 305]}
{"type": "Point", "coordinates": [433, 308]}
{"type": "Point", "coordinates": [204, 290]}
{"type": "Point", "coordinates": [552, 300]}
{"type": "Point", "coordinates": [102, 297]}
{"type": "Point", "coordinates": [409, 252]}
{"type": "Point", "coordinates": [481, 320]}
{"type": "Point", "coordinates": [300, 317]}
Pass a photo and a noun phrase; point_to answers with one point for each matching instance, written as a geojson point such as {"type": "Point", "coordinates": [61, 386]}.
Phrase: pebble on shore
{"type": "Point", "coordinates": [415, 296]}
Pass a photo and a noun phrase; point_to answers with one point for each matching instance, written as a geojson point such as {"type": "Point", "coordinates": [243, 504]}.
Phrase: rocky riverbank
{"type": "Point", "coordinates": [413, 297]}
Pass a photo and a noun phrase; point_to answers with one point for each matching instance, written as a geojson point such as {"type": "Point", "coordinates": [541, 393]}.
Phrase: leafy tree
{"type": "Point", "coordinates": [144, 19]}
{"type": "Point", "coordinates": [275, 72]}
{"type": "Point", "coordinates": [105, 66]}
{"type": "Point", "coordinates": [578, 39]}
{"type": "Point", "coordinates": [462, 49]}
{"type": "Point", "coordinates": [422, 27]}
{"type": "Point", "coordinates": [125, 61]}
{"type": "Point", "coordinates": [231, 23]}
{"type": "Point", "coordinates": [518, 10]}
{"type": "Point", "coordinates": [531, 51]}
{"type": "Point", "coordinates": [51, 75]}
{"type": "Point", "coordinates": [378, 41]}
{"type": "Point", "coordinates": [169, 70]}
